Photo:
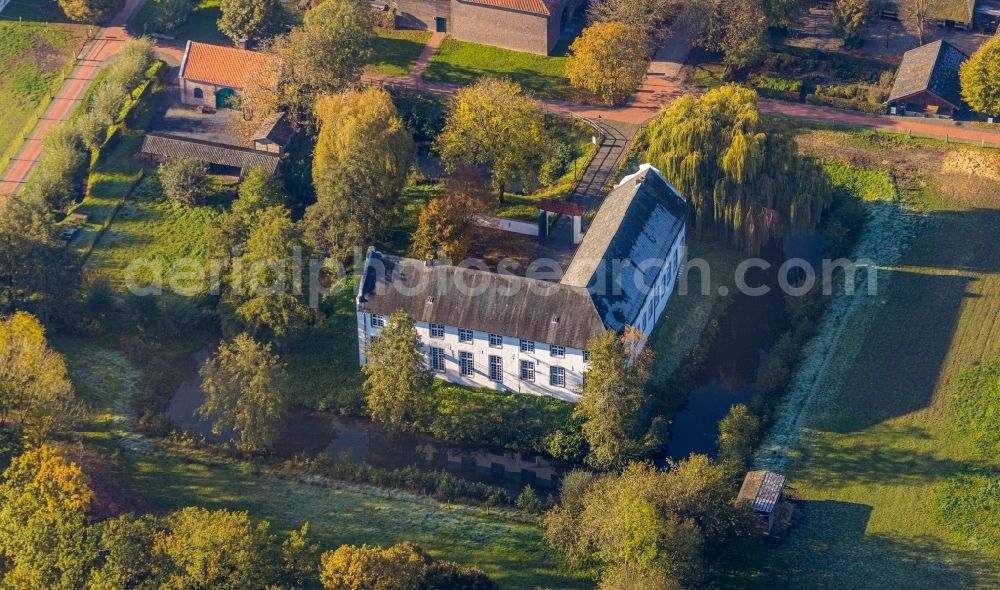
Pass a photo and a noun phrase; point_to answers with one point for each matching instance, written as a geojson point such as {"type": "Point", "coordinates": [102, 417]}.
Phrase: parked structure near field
{"type": "Point", "coordinates": [534, 26]}
{"type": "Point", "coordinates": [927, 81]}
{"type": "Point", "coordinates": [762, 490]}
{"type": "Point", "coordinates": [501, 331]}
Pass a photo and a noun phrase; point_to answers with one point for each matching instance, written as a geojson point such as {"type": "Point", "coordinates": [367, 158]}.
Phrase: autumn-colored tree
{"type": "Point", "coordinates": [244, 385]}
{"type": "Point", "coordinates": [125, 548]}
{"type": "Point", "coordinates": [218, 549]}
{"type": "Point", "coordinates": [608, 60]}
{"type": "Point", "coordinates": [445, 222]}
{"type": "Point", "coordinates": [326, 55]}
{"type": "Point", "coordinates": [980, 76]}
{"type": "Point", "coordinates": [43, 539]}
{"type": "Point", "coordinates": [494, 123]}
{"type": "Point", "coordinates": [613, 397]}
{"type": "Point", "coordinates": [363, 154]}
{"type": "Point", "coordinates": [246, 20]}
{"type": "Point", "coordinates": [849, 20]}
{"type": "Point", "coordinates": [743, 178]}
{"type": "Point", "coordinates": [90, 11]}
{"type": "Point", "coordinates": [397, 380]}
{"type": "Point", "coordinates": [185, 180]}
{"type": "Point", "coordinates": [35, 394]}
{"type": "Point", "coordinates": [400, 567]}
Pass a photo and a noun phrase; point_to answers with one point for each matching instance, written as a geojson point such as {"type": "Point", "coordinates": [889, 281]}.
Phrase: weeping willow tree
{"type": "Point", "coordinates": [745, 180]}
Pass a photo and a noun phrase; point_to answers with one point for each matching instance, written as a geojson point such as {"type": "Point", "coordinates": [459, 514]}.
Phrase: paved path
{"type": "Point", "coordinates": [425, 56]}
{"type": "Point", "coordinates": [92, 59]}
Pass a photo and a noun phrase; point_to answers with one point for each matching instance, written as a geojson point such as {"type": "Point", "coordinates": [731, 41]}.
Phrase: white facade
{"type": "Point", "coordinates": [543, 359]}
{"type": "Point", "coordinates": [656, 301]}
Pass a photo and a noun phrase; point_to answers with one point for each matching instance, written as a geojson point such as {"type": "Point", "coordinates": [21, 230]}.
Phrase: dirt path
{"type": "Point", "coordinates": [94, 57]}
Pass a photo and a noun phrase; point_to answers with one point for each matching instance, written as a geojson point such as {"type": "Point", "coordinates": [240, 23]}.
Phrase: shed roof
{"type": "Point", "coordinates": [274, 128]}
{"type": "Point", "coordinates": [930, 68]}
{"type": "Point", "coordinates": [163, 146]}
{"type": "Point", "coordinates": [761, 490]}
{"type": "Point", "coordinates": [539, 7]}
{"type": "Point", "coordinates": [959, 11]}
{"type": "Point", "coordinates": [519, 307]}
{"type": "Point", "coordinates": [636, 225]}
{"type": "Point", "coordinates": [223, 66]}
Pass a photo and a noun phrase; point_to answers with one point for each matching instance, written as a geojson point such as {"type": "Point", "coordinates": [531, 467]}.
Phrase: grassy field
{"type": "Point", "coordinates": [461, 62]}
{"type": "Point", "coordinates": [879, 440]}
{"type": "Point", "coordinates": [36, 54]}
{"type": "Point", "coordinates": [167, 478]}
{"type": "Point", "coordinates": [200, 25]}
{"type": "Point", "coordinates": [396, 52]}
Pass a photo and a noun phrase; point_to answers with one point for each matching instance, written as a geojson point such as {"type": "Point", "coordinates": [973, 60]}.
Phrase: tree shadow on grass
{"type": "Point", "coordinates": [900, 361]}
{"type": "Point", "coordinates": [543, 86]}
{"type": "Point", "coordinates": [827, 548]}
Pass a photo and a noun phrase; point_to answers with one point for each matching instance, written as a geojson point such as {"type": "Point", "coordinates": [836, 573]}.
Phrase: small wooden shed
{"type": "Point", "coordinates": [762, 490]}
{"type": "Point", "coordinates": [927, 81]}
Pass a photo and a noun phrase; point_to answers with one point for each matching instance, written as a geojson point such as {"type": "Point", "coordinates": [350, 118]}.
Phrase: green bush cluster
{"type": "Point", "coordinates": [506, 420]}
{"type": "Point", "coordinates": [557, 164]}
{"type": "Point", "coordinates": [846, 103]}
{"type": "Point", "coordinates": [969, 504]}
{"type": "Point", "coordinates": [423, 115]}
{"type": "Point", "coordinates": [166, 16]}
{"type": "Point", "coordinates": [437, 483]}
{"type": "Point", "coordinates": [821, 65]}
{"type": "Point", "coordinates": [763, 81]}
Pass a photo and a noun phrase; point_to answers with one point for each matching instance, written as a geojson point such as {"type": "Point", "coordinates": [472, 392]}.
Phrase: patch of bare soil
{"type": "Point", "coordinates": [48, 58]}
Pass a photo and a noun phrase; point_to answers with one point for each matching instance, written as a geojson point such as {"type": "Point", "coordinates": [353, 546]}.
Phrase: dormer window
{"type": "Point", "coordinates": [557, 351]}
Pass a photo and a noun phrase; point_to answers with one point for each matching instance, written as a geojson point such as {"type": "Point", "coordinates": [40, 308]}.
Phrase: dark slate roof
{"type": "Point", "coordinates": [638, 222]}
{"type": "Point", "coordinates": [518, 307]}
{"type": "Point", "coordinates": [274, 128]}
{"type": "Point", "coordinates": [761, 490]}
{"type": "Point", "coordinates": [162, 146]}
{"type": "Point", "coordinates": [931, 68]}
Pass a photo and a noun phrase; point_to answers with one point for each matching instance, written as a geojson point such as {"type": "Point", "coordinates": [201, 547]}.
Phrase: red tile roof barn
{"type": "Point", "coordinates": [223, 66]}
{"type": "Point", "coordinates": [531, 6]}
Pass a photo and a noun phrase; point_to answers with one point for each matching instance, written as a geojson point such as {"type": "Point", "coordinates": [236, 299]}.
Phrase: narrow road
{"type": "Point", "coordinates": [93, 58]}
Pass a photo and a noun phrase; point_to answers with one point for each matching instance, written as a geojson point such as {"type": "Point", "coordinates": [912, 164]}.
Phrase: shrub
{"type": "Point", "coordinates": [969, 504]}
{"type": "Point", "coordinates": [976, 404]}
{"type": "Point", "coordinates": [168, 15]}
{"type": "Point", "coordinates": [845, 103]}
{"type": "Point", "coordinates": [423, 115]}
{"type": "Point", "coordinates": [184, 180]}
{"type": "Point", "coordinates": [58, 178]}
{"type": "Point", "coordinates": [90, 11]}
{"type": "Point", "coordinates": [528, 501]}
{"type": "Point", "coordinates": [556, 166]}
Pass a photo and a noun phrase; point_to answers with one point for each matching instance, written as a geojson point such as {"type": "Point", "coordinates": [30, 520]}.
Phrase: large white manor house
{"type": "Point", "coordinates": [499, 331]}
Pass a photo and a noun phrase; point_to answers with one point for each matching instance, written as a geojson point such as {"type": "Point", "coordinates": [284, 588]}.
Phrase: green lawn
{"type": "Point", "coordinates": [200, 25]}
{"type": "Point", "coordinates": [396, 52]}
{"type": "Point", "coordinates": [461, 62]}
{"type": "Point", "coordinates": [36, 54]}
{"type": "Point", "coordinates": [878, 440]}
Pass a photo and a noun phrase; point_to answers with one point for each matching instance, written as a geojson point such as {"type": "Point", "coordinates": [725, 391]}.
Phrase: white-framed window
{"type": "Point", "coordinates": [527, 371]}
{"type": "Point", "coordinates": [466, 364]}
{"type": "Point", "coordinates": [557, 351]}
{"type": "Point", "coordinates": [378, 320]}
{"type": "Point", "coordinates": [496, 368]}
{"type": "Point", "coordinates": [437, 359]}
{"type": "Point", "coordinates": [464, 335]}
{"type": "Point", "coordinates": [557, 376]}
{"type": "Point", "coordinates": [586, 356]}
{"type": "Point", "coordinates": [527, 346]}
{"type": "Point", "coordinates": [437, 330]}
{"type": "Point", "coordinates": [496, 340]}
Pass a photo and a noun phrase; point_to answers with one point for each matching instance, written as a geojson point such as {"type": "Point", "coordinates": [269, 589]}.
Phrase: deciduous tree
{"type": "Point", "coordinates": [608, 60]}
{"type": "Point", "coordinates": [494, 123]}
{"type": "Point", "coordinates": [649, 16]}
{"type": "Point", "coordinates": [247, 20]}
{"type": "Point", "coordinates": [35, 394]}
{"type": "Point", "coordinates": [327, 54]}
{"type": "Point", "coordinates": [43, 539]}
{"type": "Point", "coordinates": [58, 178]}
{"type": "Point", "coordinates": [125, 549]}
{"type": "Point", "coordinates": [445, 223]}
{"type": "Point", "coordinates": [184, 180]}
{"type": "Point", "coordinates": [980, 76]}
{"type": "Point", "coordinates": [244, 385]}
{"type": "Point", "coordinates": [167, 15]}
{"type": "Point", "coordinates": [744, 179]}
{"type": "Point", "coordinates": [737, 30]}
{"type": "Point", "coordinates": [738, 435]}
{"type": "Point", "coordinates": [849, 21]}
{"type": "Point", "coordinates": [915, 14]}
{"type": "Point", "coordinates": [613, 397]}
{"type": "Point", "coordinates": [400, 567]}
{"type": "Point", "coordinates": [363, 154]}
{"type": "Point", "coordinates": [397, 380]}
{"type": "Point", "coordinates": [90, 11]}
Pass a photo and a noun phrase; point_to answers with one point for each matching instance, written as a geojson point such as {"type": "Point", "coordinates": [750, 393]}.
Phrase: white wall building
{"type": "Point", "coordinates": [499, 331]}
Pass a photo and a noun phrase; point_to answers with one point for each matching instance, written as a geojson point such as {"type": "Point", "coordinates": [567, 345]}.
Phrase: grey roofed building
{"type": "Point", "coordinates": [162, 147]}
{"type": "Point", "coordinates": [626, 245]}
{"type": "Point", "coordinates": [275, 131]}
{"type": "Point", "coordinates": [931, 69]}
{"type": "Point", "coordinates": [529, 309]}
